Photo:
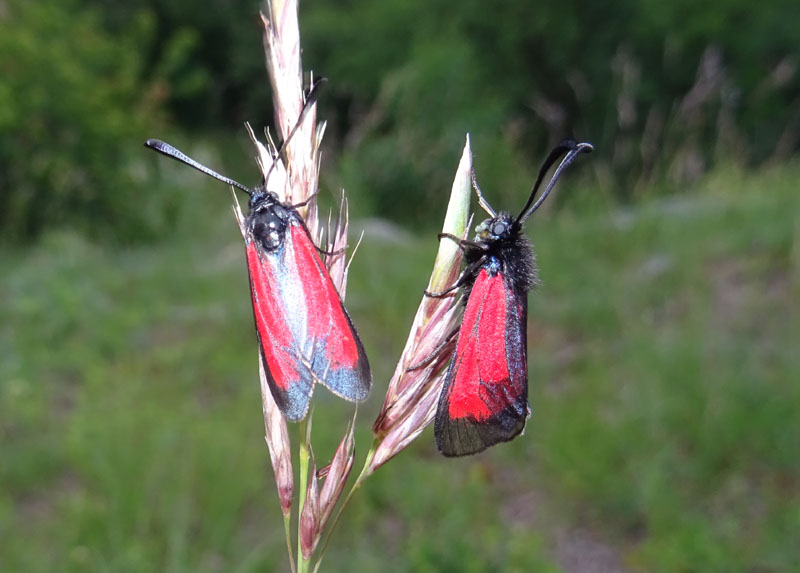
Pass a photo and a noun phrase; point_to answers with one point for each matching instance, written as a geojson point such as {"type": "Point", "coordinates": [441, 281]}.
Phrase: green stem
{"type": "Point", "coordinates": [357, 484]}
{"type": "Point", "coordinates": [287, 529]}
{"type": "Point", "coordinates": [302, 564]}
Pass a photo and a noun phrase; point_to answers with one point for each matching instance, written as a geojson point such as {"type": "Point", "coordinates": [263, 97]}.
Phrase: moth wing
{"type": "Point", "coordinates": [337, 359]}
{"type": "Point", "coordinates": [277, 325]}
{"type": "Point", "coordinates": [304, 331]}
{"type": "Point", "coordinates": [485, 396]}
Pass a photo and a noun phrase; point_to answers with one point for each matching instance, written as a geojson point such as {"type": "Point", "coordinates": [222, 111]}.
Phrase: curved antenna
{"type": "Point", "coordinates": [311, 99]}
{"type": "Point", "coordinates": [178, 155]}
{"type": "Point", "coordinates": [481, 199]}
{"type": "Point", "coordinates": [569, 146]}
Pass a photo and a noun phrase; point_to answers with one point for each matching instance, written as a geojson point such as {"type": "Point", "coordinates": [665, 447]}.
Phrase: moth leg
{"type": "Point", "coordinates": [463, 243]}
{"type": "Point", "coordinates": [462, 278]}
{"type": "Point", "coordinates": [331, 253]}
{"type": "Point", "coordinates": [435, 353]}
{"type": "Point", "coordinates": [307, 201]}
{"type": "Point", "coordinates": [445, 292]}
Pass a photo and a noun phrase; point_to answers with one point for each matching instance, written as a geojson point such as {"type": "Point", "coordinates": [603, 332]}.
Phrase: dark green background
{"type": "Point", "coordinates": [663, 341]}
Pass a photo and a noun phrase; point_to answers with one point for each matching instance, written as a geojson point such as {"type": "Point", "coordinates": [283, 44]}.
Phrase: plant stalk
{"type": "Point", "coordinates": [302, 563]}
{"type": "Point", "coordinates": [357, 484]}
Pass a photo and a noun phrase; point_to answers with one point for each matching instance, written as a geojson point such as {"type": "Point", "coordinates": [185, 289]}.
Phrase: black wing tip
{"type": "Point", "coordinates": [457, 448]}
{"type": "Point", "coordinates": [295, 408]}
{"type": "Point", "coordinates": [349, 383]}
{"type": "Point", "coordinates": [355, 388]}
{"type": "Point", "coordinates": [295, 412]}
{"type": "Point", "coordinates": [292, 405]}
{"type": "Point", "coordinates": [465, 436]}
{"type": "Point", "coordinates": [294, 401]}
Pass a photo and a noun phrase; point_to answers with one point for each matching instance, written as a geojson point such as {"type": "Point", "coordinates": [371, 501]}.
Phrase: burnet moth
{"type": "Point", "coordinates": [484, 399]}
{"type": "Point", "coordinates": [304, 332]}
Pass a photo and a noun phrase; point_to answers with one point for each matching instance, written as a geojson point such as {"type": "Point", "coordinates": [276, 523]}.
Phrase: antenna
{"type": "Point", "coordinates": [311, 99]}
{"type": "Point", "coordinates": [481, 199]}
{"type": "Point", "coordinates": [179, 155]}
{"type": "Point", "coordinates": [569, 146]}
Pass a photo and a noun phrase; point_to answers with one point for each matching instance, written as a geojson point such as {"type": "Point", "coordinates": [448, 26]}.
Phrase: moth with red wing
{"type": "Point", "coordinates": [304, 332]}
{"type": "Point", "coordinates": [484, 399]}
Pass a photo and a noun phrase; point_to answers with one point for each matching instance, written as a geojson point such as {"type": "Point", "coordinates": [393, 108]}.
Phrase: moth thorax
{"type": "Point", "coordinates": [493, 266]}
{"type": "Point", "coordinates": [269, 225]}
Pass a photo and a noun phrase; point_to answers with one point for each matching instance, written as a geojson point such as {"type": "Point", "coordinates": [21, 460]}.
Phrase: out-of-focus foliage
{"type": "Point", "coordinates": [72, 109]}
{"type": "Point", "coordinates": [223, 80]}
{"type": "Point", "coordinates": [662, 342]}
{"type": "Point", "coordinates": [664, 90]}
{"type": "Point", "coordinates": [663, 378]}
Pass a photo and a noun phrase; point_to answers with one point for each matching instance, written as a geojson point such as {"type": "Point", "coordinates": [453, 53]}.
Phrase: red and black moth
{"type": "Point", "coordinates": [304, 332]}
{"type": "Point", "coordinates": [484, 399]}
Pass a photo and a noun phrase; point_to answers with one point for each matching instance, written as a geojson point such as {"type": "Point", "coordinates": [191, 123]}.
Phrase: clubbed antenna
{"type": "Point", "coordinates": [178, 155]}
{"type": "Point", "coordinates": [569, 146]}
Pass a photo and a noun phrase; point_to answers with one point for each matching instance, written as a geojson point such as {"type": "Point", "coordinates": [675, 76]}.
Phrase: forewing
{"type": "Point", "coordinates": [277, 323]}
{"type": "Point", "coordinates": [337, 357]}
{"type": "Point", "coordinates": [485, 396]}
{"type": "Point", "coordinates": [303, 329]}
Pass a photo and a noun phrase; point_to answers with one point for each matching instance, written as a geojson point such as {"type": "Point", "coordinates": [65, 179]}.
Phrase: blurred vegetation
{"type": "Point", "coordinates": [665, 91]}
{"type": "Point", "coordinates": [663, 342]}
{"type": "Point", "coordinates": [663, 369]}
{"type": "Point", "coordinates": [72, 107]}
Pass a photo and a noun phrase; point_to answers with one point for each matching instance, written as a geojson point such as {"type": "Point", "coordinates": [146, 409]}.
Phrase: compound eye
{"type": "Point", "coordinates": [499, 228]}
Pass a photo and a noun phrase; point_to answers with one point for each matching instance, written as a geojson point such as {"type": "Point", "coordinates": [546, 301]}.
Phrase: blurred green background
{"type": "Point", "coordinates": [663, 342]}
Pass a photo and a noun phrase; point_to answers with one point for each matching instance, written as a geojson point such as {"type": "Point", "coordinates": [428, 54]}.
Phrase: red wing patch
{"type": "Point", "coordinates": [338, 359]}
{"type": "Point", "coordinates": [303, 329]}
{"type": "Point", "coordinates": [289, 379]}
{"type": "Point", "coordinates": [484, 400]}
